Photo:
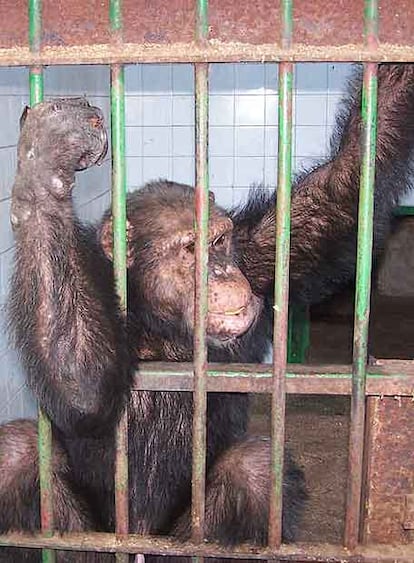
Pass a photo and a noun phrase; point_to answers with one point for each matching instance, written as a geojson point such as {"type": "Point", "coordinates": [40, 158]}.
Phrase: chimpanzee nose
{"type": "Point", "coordinates": [219, 271]}
{"type": "Point", "coordinates": [223, 270]}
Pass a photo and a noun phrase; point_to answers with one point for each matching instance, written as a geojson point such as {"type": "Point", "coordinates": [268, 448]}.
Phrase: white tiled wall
{"type": "Point", "coordinates": [160, 143]}
{"type": "Point", "coordinates": [14, 399]}
{"type": "Point", "coordinates": [91, 195]}
{"type": "Point", "coordinates": [243, 122]}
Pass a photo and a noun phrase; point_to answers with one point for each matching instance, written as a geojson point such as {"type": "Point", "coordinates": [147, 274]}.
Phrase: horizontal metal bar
{"type": "Point", "coordinates": [385, 378]}
{"type": "Point", "coordinates": [104, 542]}
{"type": "Point", "coordinates": [212, 51]}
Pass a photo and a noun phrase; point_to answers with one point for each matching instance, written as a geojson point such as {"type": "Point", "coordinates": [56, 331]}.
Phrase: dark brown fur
{"type": "Point", "coordinates": [80, 359]}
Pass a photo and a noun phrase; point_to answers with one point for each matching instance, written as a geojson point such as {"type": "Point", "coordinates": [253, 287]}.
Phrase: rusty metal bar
{"type": "Point", "coordinates": [281, 291]}
{"type": "Point", "coordinates": [363, 282]}
{"type": "Point", "coordinates": [36, 85]}
{"type": "Point", "coordinates": [316, 553]}
{"type": "Point", "coordinates": [201, 290]}
{"type": "Point", "coordinates": [391, 378]}
{"type": "Point", "coordinates": [192, 52]}
{"type": "Point", "coordinates": [119, 253]}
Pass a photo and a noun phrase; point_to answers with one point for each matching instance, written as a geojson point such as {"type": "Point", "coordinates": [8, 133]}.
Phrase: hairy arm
{"type": "Point", "coordinates": [325, 201]}
{"type": "Point", "coordinates": [63, 309]}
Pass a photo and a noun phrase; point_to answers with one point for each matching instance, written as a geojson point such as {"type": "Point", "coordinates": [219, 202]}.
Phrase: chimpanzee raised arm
{"type": "Point", "coordinates": [64, 319]}
{"type": "Point", "coordinates": [325, 200]}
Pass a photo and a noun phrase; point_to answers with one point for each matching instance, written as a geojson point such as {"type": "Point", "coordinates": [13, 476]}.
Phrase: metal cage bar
{"type": "Point", "coordinates": [119, 253]}
{"type": "Point", "coordinates": [201, 275]}
{"type": "Point", "coordinates": [312, 553]}
{"type": "Point", "coordinates": [216, 52]}
{"type": "Point", "coordinates": [36, 87]}
{"type": "Point", "coordinates": [281, 290]}
{"type": "Point", "coordinates": [363, 281]}
{"type": "Point", "coordinates": [391, 378]}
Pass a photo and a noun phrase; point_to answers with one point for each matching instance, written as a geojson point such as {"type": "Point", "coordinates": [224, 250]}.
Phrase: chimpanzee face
{"type": "Point", "coordinates": [162, 244]}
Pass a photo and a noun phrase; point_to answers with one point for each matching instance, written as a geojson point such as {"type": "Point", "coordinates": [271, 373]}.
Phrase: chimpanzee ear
{"type": "Point", "coordinates": [106, 239]}
{"type": "Point", "coordinates": [212, 198]}
{"type": "Point", "coordinates": [23, 116]}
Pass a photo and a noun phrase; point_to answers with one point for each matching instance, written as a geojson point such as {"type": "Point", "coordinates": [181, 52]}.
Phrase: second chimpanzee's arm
{"type": "Point", "coordinates": [63, 308]}
{"type": "Point", "coordinates": [325, 201]}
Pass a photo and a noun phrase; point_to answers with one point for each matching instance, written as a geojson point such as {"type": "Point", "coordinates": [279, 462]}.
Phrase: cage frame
{"type": "Point", "coordinates": [391, 378]}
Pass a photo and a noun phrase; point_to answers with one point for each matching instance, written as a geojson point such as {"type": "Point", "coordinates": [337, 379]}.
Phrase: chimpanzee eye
{"type": "Point", "coordinates": [219, 241]}
{"type": "Point", "coordinates": [190, 247]}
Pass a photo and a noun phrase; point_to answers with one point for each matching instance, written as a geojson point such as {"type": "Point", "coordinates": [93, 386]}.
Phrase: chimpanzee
{"type": "Point", "coordinates": [80, 356]}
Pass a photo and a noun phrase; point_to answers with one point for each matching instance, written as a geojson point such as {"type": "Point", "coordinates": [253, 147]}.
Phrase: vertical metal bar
{"type": "Point", "coordinates": [36, 85]}
{"type": "Point", "coordinates": [201, 290]}
{"type": "Point", "coordinates": [281, 295]}
{"type": "Point", "coordinates": [119, 253]}
{"type": "Point", "coordinates": [363, 281]}
{"type": "Point", "coordinates": [44, 424]}
{"type": "Point", "coordinates": [35, 25]}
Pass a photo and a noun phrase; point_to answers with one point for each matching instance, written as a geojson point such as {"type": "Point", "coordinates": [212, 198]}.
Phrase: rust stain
{"type": "Point", "coordinates": [158, 22]}
{"type": "Point", "coordinates": [389, 470]}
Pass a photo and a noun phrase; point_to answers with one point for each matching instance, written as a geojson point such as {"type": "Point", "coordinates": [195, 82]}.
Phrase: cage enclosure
{"type": "Point", "coordinates": [222, 95]}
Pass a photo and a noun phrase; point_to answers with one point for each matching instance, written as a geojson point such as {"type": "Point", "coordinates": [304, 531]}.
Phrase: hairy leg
{"type": "Point", "coordinates": [19, 495]}
{"type": "Point", "coordinates": [237, 496]}
{"type": "Point", "coordinates": [237, 500]}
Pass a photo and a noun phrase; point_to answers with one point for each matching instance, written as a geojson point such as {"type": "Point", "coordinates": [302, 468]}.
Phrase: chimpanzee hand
{"type": "Point", "coordinates": [66, 133]}
{"type": "Point", "coordinates": [57, 138]}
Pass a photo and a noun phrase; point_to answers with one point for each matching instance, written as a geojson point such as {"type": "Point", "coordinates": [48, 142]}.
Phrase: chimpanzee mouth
{"type": "Point", "coordinates": [235, 312]}
{"type": "Point", "coordinates": [232, 323]}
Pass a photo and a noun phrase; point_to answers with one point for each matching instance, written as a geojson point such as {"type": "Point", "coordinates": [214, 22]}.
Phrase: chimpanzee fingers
{"type": "Point", "coordinates": [69, 132]}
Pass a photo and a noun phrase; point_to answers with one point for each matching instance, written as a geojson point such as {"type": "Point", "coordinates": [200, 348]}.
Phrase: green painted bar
{"type": "Point", "coordinates": [45, 478]}
{"type": "Point", "coordinates": [363, 282]}
{"type": "Point", "coordinates": [120, 264]}
{"type": "Point", "coordinates": [115, 15]}
{"type": "Point", "coordinates": [201, 278]}
{"type": "Point", "coordinates": [119, 181]}
{"type": "Point", "coordinates": [44, 425]}
{"type": "Point", "coordinates": [202, 20]}
{"type": "Point", "coordinates": [281, 292]}
{"type": "Point", "coordinates": [36, 85]}
{"type": "Point", "coordinates": [120, 276]}
{"type": "Point", "coordinates": [35, 25]}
